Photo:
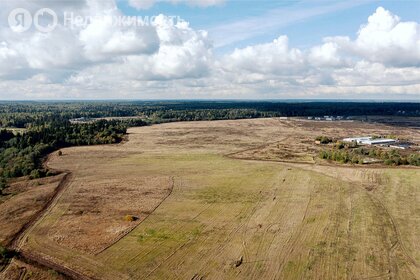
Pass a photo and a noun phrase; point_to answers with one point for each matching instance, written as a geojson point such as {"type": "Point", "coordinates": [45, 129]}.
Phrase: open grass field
{"type": "Point", "coordinates": [230, 200]}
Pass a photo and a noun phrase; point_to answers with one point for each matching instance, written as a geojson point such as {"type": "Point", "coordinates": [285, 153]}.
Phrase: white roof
{"type": "Point", "coordinates": [358, 138]}
{"type": "Point", "coordinates": [380, 141]}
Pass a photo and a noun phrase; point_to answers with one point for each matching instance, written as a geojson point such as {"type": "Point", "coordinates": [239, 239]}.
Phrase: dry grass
{"type": "Point", "coordinates": [21, 270]}
{"type": "Point", "coordinates": [23, 201]}
{"type": "Point", "coordinates": [297, 141]}
{"type": "Point", "coordinates": [286, 221]}
{"type": "Point", "coordinates": [101, 193]}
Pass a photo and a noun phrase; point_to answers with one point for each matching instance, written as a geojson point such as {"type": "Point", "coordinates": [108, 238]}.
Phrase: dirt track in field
{"type": "Point", "coordinates": [16, 242]}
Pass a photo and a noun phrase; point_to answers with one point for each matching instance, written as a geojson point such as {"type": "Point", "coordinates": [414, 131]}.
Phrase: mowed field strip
{"type": "Point", "coordinates": [230, 218]}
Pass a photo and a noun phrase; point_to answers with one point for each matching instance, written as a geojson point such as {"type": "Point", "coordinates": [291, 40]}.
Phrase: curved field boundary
{"type": "Point", "coordinates": [31, 258]}
{"type": "Point", "coordinates": [19, 239]}
{"type": "Point", "coordinates": [148, 215]}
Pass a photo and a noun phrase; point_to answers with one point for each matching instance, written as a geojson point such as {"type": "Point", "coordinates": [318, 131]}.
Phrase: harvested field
{"type": "Point", "coordinates": [98, 200]}
{"type": "Point", "coordinates": [208, 206]}
{"type": "Point", "coordinates": [297, 143]}
{"type": "Point", "coordinates": [23, 200]}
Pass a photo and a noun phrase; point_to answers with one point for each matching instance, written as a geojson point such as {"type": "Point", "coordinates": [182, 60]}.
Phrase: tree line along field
{"type": "Point", "coordinates": [20, 114]}
{"type": "Point", "coordinates": [218, 200]}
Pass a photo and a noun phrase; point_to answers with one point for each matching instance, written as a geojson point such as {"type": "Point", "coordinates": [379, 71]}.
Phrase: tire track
{"type": "Point", "coordinates": [399, 243]}
{"type": "Point", "coordinates": [293, 239]}
{"type": "Point", "coordinates": [19, 239]}
{"type": "Point", "coordinates": [268, 227]}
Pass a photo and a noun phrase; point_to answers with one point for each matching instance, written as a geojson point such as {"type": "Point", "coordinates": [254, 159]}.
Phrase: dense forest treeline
{"type": "Point", "coordinates": [21, 114]}
{"type": "Point", "coordinates": [300, 108]}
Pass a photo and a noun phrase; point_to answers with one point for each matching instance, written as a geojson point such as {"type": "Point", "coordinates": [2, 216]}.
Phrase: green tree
{"type": "Point", "coordinates": [3, 185]}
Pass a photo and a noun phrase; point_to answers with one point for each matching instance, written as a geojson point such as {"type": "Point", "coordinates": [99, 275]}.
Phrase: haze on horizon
{"type": "Point", "coordinates": [212, 49]}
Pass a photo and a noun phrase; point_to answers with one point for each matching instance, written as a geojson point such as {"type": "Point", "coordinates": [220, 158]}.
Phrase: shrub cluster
{"type": "Point", "coordinates": [5, 255]}
{"type": "Point", "coordinates": [343, 156]}
{"type": "Point", "coordinates": [130, 218]}
{"type": "Point", "coordinates": [324, 139]}
{"type": "Point", "coordinates": [357, 156]}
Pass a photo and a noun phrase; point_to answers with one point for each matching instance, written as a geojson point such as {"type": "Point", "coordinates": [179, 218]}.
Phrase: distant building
{"type": "Point", "coordinates": [284, 118]}
{"type": "Point", "coordinates": [358, 140]}
{"type": "Point", "coordinates": [81, 120]}
{"type": "Point", "coordinates": [380, 141]}
{"type": "Point", "coordinates": [367, 140]}
{"type": "Point", "coordinates": [327, 118]}
{"type": "Point", "coordinates": [403, 146]}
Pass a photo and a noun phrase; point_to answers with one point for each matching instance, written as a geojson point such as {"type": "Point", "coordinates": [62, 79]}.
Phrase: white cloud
{"type": "Point", "coordinates": [182, 53]}
{"type": "Point", "coordinates": [385, 39]}
{"type": "Point", "coordinates": [163, 50]}
{"type": "Point", "coordinates": [173, 60]}
{"type": "Point", "coordinates": [9, 60]}
{"type": "Point", "coordinates": [272, 58]}
{"type": "Point", "coordinates": [45, 51]}
{"type": "Point", "coordinates": [365, 73]}
{"type": "Point", "coordinates": [102, 39]}
{"type": "Point", "coordinates": [326, 55]}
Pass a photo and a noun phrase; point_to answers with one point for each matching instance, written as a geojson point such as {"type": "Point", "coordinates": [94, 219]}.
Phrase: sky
{"type": "Point", "coordinates": [209, 49]}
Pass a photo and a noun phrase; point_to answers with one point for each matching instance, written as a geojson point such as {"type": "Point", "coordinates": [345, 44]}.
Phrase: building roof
{"type": "Point", "coordinates": [370, 140]}
{"type": "Point", "coordinates": [358, 139]}
{"type": "Point", "coordinates": [380, 141]}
